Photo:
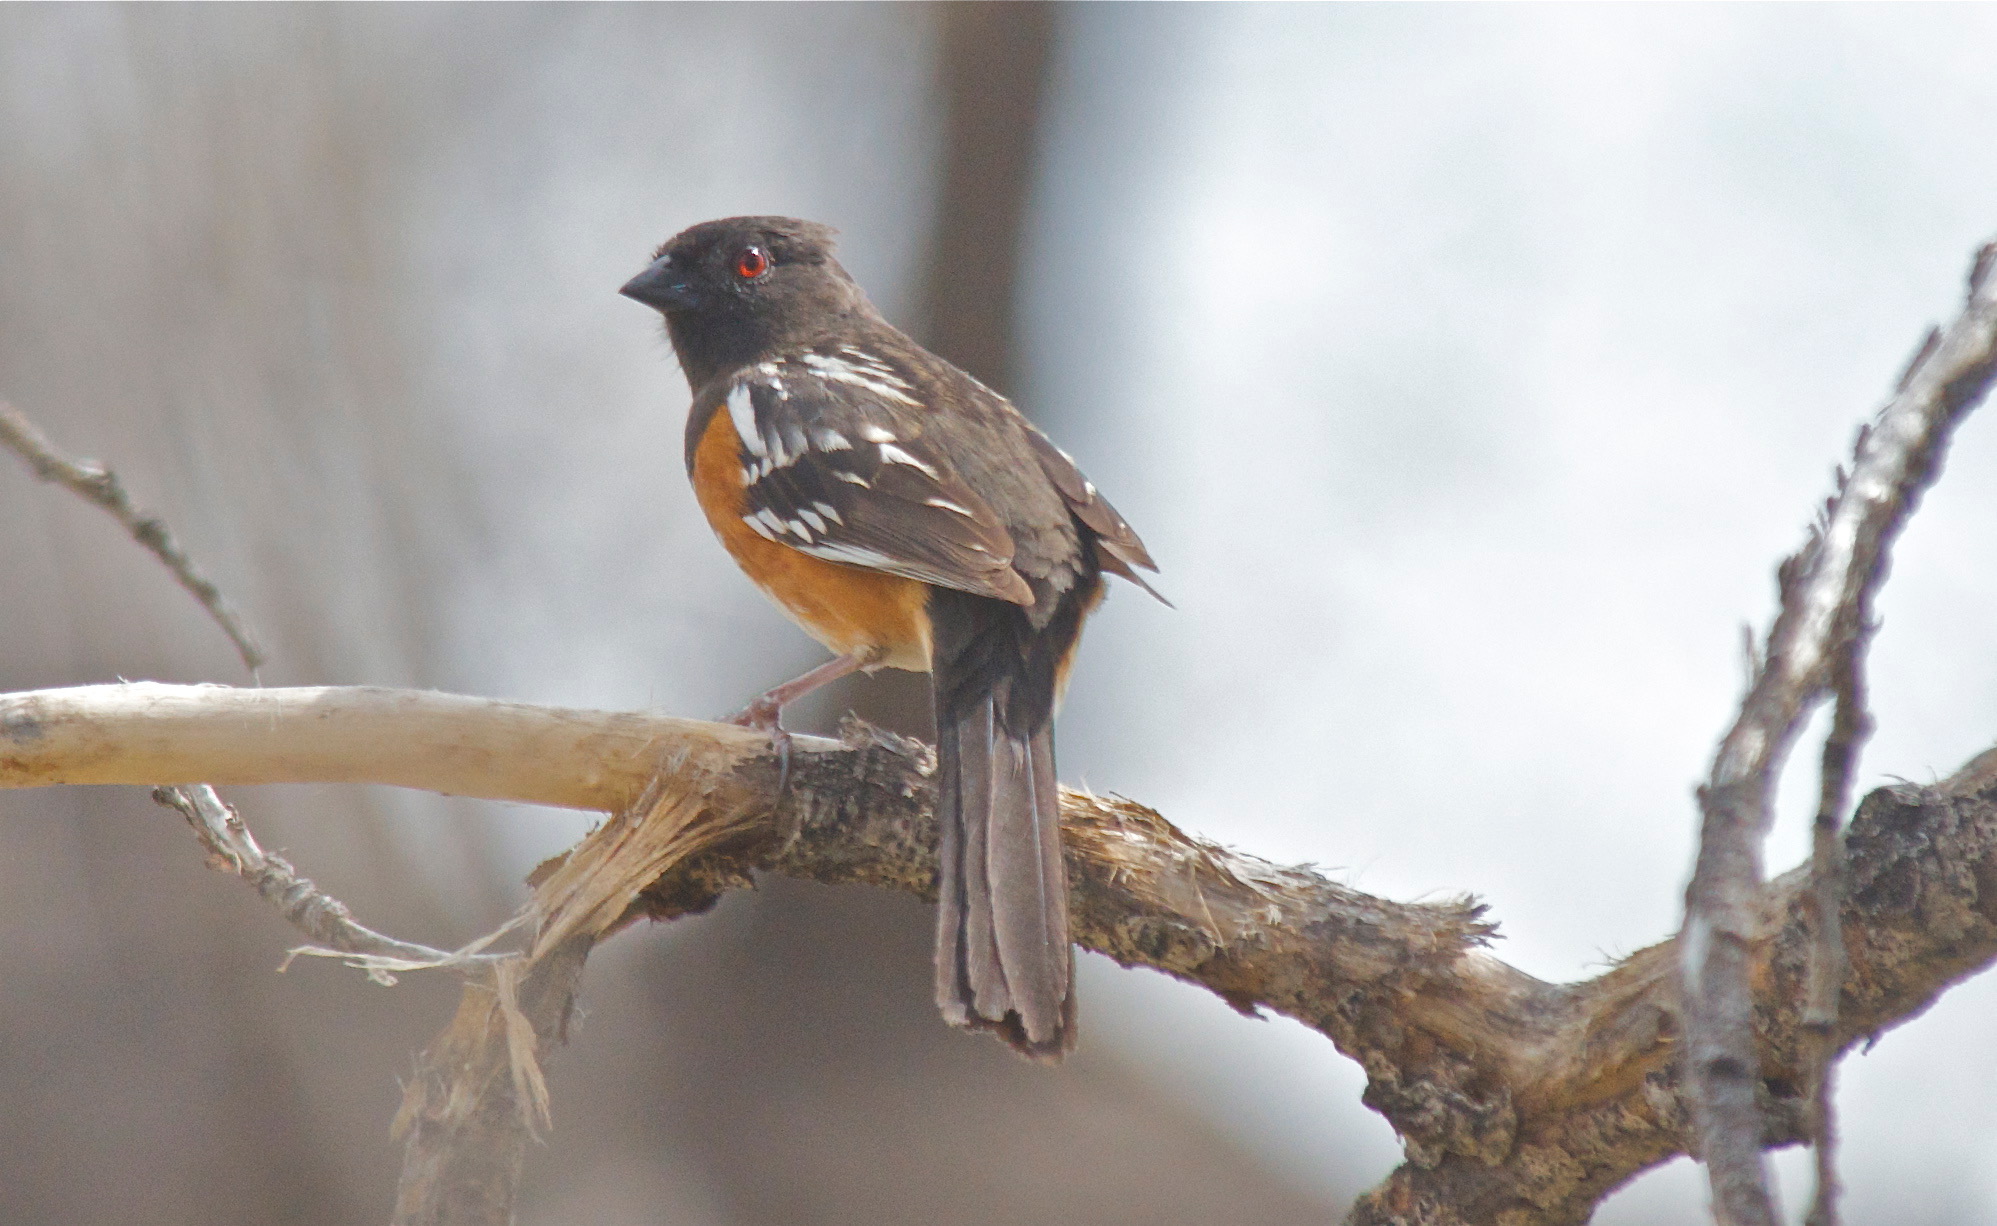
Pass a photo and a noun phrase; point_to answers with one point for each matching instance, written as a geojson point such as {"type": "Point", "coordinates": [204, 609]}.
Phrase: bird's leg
{"type": "Point", "coordinates": [765, 710]}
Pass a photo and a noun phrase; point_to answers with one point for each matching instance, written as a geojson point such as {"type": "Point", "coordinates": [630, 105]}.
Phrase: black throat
{"type": "Point", "coordinates": [729, 331]}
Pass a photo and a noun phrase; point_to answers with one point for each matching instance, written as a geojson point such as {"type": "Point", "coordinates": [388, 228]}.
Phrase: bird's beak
{"type": "Point", "coordinates": [661, 287]}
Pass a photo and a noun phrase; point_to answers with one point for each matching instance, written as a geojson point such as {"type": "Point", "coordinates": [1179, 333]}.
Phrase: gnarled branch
{"type": "Point", "coordinates": [1517, 1099]}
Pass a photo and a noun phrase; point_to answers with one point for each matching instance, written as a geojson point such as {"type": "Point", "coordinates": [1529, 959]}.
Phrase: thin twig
{"type": "Point", "coordinates": [1824, 1142]}
{"type": "Point", "coordinates": [320, 916]}
{"type": "Point", "coordinates": [480, 1093]}
{"type": "Point", "coordinates": [1851, 727]}
{"type": "Point", "coordinates": [100, 485]}
{"type": "Point", "coordinates": [1824, 590]}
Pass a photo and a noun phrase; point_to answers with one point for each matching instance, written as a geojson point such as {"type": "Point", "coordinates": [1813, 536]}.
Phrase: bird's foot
{"type": "Point", "coordinates": [764, 715]}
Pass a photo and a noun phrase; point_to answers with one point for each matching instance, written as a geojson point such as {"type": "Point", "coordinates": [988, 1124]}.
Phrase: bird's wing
{"type": "Point", "coordinates": [1122, 552]}
{"type": "Point", "coordinates": [834, 466]}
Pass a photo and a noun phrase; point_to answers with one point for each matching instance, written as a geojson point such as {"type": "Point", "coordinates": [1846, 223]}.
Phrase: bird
{"type": "Point", "coordinates": [905, 516]}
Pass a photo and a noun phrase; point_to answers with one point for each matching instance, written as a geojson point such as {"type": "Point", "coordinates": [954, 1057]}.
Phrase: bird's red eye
{"type": "Point", "coordinates": [752, 263]}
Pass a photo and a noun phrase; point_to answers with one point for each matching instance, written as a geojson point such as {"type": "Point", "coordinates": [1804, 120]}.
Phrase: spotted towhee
{"type": "Point", "coordinates": [906, 516]}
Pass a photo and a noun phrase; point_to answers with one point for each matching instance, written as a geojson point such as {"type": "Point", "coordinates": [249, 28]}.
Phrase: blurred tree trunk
{"type": "Point", "coordinates": [992, 66]}
{"type": "Point", "coordinates": [992, 58]}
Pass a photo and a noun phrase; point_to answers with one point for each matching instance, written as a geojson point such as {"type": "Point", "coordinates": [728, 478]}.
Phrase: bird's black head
{"type": "Point", "coordinates": [733, 289]}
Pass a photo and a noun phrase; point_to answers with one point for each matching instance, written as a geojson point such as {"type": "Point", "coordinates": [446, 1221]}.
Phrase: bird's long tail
{"type": "Point", "coordinates": [1003, 960]}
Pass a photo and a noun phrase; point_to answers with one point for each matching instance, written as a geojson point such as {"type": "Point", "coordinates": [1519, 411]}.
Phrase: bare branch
{"type": "Point", "coordinates": [480, 1094]}
{"type": "Point", "coordinates": [1513, 1096]}
{"type": "Point", "coordinates": [465, 1129]}
{"type": "Point", "coordinates": [1827, 590]}
{"type": "Point", "coordinates": [1851, 727]}
{"type": "Point", "coordinates": [100, 485]}
{"type": "Point", "coordinates": [1824, 1136]}
{"type": "Point", "coordinates": [321, 917]}
{"type": "Point", "coordinates": [147, 733]}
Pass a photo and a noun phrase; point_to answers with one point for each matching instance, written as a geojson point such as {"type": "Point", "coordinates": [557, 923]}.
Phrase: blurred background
{"type": "Point", "coordinates": [1467, 370]}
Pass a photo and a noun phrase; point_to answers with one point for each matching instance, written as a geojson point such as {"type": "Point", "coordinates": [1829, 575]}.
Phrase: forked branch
{"type": "Point", "coordinates": [1815, 646]}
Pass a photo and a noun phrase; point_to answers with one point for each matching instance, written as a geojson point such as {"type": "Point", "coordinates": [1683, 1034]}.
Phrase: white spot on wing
{"type": "Point", "coordinates": [947, 505]}
{"type": "Point", "coordinates": [854, 555]}
{"type": "Point", "coordinates": [829, 511]}
{"type": "Point", "coordinates": [854, 478]}
{"type": "Point", "coordinates": [756, 522]}
{"type": "Point", "coordinates": [873, 376]}
{"type": "Point", "coordinates": [875, 366]}
{"type": "Point", "coordinates": [831, 440]}
{"type": "Point", "coordinates": [811, 517]}
{"type": "Point", "coordinates": [874, 434]}
{"type": "Point", "coordinates": [742, 411]}
{"type": "Point", "coordinates": [891, 454]}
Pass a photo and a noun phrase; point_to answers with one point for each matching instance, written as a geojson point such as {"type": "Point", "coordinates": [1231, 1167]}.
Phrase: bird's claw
{"type": "Point", "coordinates": [762, 715]}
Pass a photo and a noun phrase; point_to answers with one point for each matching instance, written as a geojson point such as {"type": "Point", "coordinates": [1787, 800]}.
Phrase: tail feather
{"type": "Point", "coordinates": [953, 979]}
{"type": "Point", "coordinates": [984, 964]}
{"type": "Point", "coordinates": [1003, 958]}
{"type": "Point", "coordinates": [1023, 865]}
